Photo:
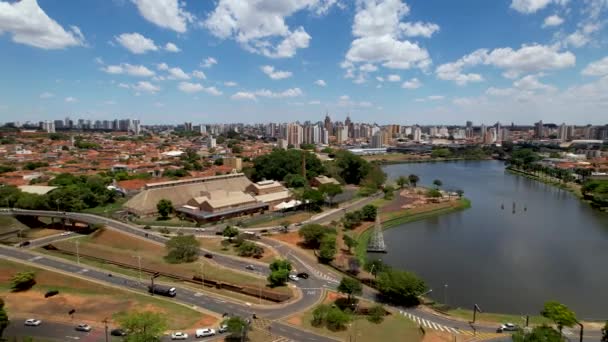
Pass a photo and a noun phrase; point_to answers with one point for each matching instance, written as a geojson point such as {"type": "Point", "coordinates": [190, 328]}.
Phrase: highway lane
{"type": "Point", "coordinates": [193, 298]}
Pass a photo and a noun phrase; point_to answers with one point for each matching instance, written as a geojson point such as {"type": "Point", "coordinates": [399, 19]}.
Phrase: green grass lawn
{"type": "Point", "coordinates": [276, 221]}
{"type": "Point", "coordinates": [107, 210]}
{"type": "Point", "coordinates": [498, 318]}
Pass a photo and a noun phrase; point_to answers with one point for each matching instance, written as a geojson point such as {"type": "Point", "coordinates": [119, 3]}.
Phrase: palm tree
{"type": "Point", "coordinates": [437, 183]}
{"type": "Point", "coordinates": [413, 179]}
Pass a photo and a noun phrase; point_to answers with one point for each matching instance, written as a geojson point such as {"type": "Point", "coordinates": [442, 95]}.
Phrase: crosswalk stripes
{"type": "Point", "coordinates": [428, 324]}
{"type": "Point", "coordinates": [315, 271]}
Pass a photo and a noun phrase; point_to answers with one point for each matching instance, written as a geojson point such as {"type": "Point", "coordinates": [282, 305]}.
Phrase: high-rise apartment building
{"type": "Point", "coordinates": [377, 140]}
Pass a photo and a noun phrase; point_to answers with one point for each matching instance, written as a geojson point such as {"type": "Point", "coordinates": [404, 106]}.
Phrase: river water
{"type": "Point", "coordinates": [556, 249]}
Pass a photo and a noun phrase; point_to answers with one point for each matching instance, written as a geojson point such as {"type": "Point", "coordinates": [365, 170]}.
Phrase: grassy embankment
{"type": "Point", "coordinates": [496, 317]}
{"type": "Point", "coordinates": [572, 187]}
{"type": "Point", "coordinates": [214, 245]}
{"type": "Point", "coordinates": [392, 219]}
{"type": "Point", "coordinates": [394, 327]}
{"type": "Point", "coordinates": [94, 301]}
{"type": "Point", "coordinates": [402, 158]}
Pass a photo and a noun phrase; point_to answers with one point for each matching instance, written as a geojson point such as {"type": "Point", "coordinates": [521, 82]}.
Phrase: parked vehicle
{"type": "Point", "coordinates": [222, 329]}
{"type": "Point", "coordinates": [179, 336]}
{"type": "Point", "coordinates": [32, 322]}
{"type": "Point", "coordinates": [250, 267]}
{"type": "Point", "coordinates": [163, 290]}
{"type": "Point", "coordinates": [302, 275]}
{"type": "Point", "coordinates": [208, 255]}
{"type": "Point", "coordinates": [118, 332]}
{"type": "Point", "coordinates": [293, 277]}
{"type": "Point", "coordinates": [83, 327]}
{"type": "Point", "coordinates": [507, 327]}
{"type": "Point", "coordinates": [24, 243]}
{"type": "Point", "coordinates": [206, 332]}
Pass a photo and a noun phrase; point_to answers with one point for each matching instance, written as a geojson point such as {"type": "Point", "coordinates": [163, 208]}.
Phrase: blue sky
{"type": "Point", "coordinates": [384, 61]}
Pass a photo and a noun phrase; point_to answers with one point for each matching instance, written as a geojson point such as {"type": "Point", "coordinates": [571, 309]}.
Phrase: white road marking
{"type": "Point", "coordinates": [35, 258]}
{"type": "Point", "coordinates": [426, 323]}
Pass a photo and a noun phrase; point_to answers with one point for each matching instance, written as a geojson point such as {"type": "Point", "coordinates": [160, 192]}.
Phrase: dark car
{"type": "Point", "coordinates": [302, 275]}
{"type": "Point", "coordinates": [118, 332]}
{"type": "Point", "coordinates": [208, 255]}
{"type": "Point", "coordinates": [24, 243]}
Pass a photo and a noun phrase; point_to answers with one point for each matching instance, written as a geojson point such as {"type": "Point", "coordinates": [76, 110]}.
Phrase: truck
{"type": "Point", "coordinates": [162, 290]}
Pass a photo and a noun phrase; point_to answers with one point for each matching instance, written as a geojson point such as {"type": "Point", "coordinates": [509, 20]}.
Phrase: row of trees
{"type": "Point", "coordinates": [353, 219]}
{"type": "Point", "coordinates": [399, 287]}
{"type": "Point", "coordinates": [596, 191]}
{"type": "Point", "coordinates": [322, 238]}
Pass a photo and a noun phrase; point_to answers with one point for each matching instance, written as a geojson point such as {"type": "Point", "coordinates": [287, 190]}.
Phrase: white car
{"type": "Point", "coordinates": [294, 277]}
{"type": "Point", "coordinates": [507, 327]}
{"type": "Point", "coordinates": [204, 332]}
{"type": "Point", "coordinates": [83, 327]}
{"type": "Point", "coordinates": [222, 329]}
{"type": "Point", "coordinates": [32, 322]}
{"type": "Point", "coordinates": [65, 233]}
{"type": "Point", "coordinates": [179, 336]}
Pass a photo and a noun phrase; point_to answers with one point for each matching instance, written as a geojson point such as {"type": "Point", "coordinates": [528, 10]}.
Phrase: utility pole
{"type": "Point", "coordinates": [476, 309]}
{"type": "Point", "coordinates": [105, 322]}
{"type": "Point", "coordinates": [203, 274]}
{"type": "Point", "coordinates": [139, 266]}
{"type": "Point", "coordinates": [445, 294]}
{"type": "Point", "coordinates": [77, 252]}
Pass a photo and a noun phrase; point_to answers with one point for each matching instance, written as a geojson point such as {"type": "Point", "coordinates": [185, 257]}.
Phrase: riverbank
{"type": "Point", "coordinates": [400, 158]}
{"type": "Point", "coordinates": [572, 187]}
{"type": "Point", "coordinates": [393, 219]}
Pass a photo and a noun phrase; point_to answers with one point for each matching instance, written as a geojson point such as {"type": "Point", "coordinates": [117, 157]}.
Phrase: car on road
{"type": "Point", "coordinates": [32, 322]}
{"type": "Point", "coordinates": [208, 255]}
{"type": "Point", "coordinates": [24, 243]}
{"type": "Point", "coordinates": [179, 336]}
{"type": "Point", "coordinates": [66, 233]}
{"type": "Point", "coordinates": [507, 327]}
{"type": "Point", "coordinates": [222, 329]}
{"type": "Point", "coordinates": [302, 275]}
{"type": "Point", "coordinates": [293, 277]}
{"type": "Point", "coordinates": [83, 327]}
{"type": "Point", "coordinates": [250, 267]}
{"type": "Point", "coordinates": [118, 332]}
{"type": "Point", "coordinates": [206, 332]}
{"type": "Point", "coordinates": [200, 229]}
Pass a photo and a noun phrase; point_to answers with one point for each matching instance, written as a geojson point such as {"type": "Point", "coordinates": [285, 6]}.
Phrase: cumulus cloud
{"type": "Point", "coordinates": [378, 32]}
{"type": "Point", "coordinates": [47, 95]}
{"type": "Point", "coordinates": [172, 47]}
{"type": "Point", "coordinates": [553, 20]}
{"type": "Point", "coordinates": [145, 86]}
{"type": "Point", "coordinates": [527, 59]}
{"type": "Point", "coordinates": [162, 66]}
{"type": "Point", "coordinates": [260, 26]}
{"type": "Point", "coordinates": [230, 84]}
{"type": "Point", "coordinates": [393, 78]}
{"type": "Point", "coordinates": [128, 69]}
{"type": "Point", "coordinates": [320, 83]}
{"type": "Point", "coordinates": [597, 68]}
{"type": "Point", "coordinates": [208, 62]}
{"type": "Point", "coordinates": [70, 99]}
{"type": "Point", "coordinates": [169, 14]}
{"type": "Point", "coordinates": [199, 74]}
{"type": "Point", "coordinates": [291, 92]}
{"type": "Point", "coordinates": [136, 43]}
{"type": "Point", "coordinates": [532, 6]}
{"type": "Point", "coordinates": [191, 88]}
{"type": "Point", "coordinates": [418, 29]}
{"type": "Point", "coordinates": [275, 74]}
{"type": "Point", "coordinates": [314, 102]}
{"type": "Point", "coordinates": [177, 74]}
{"type": "Point", "coordinates": [30, 25]}
{"type": "Point", "coordinates": [242, 95]}
{"type": "Point", "coordinates": [413, 83]}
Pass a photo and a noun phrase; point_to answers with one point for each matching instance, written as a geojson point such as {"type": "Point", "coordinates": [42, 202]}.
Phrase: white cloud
{"type": "Point", "coordinates": [531, 83]}
{"type": "Point", "coordinates": [275, 74]}
{"type": "Point", "coordinates": [500, 91]}
{"type": "Point", "coordinates": [136, 43]}
{"type": "Point", "coordinates": [162, 66]}
{"type": "Point", "coordinates": [377, 30]}
{"type": "Point", "coordinates": [393, 78]}
{"type": "Point", "coordinates": [170, 14]}
{"type": "Point", "coordinates": [379, 78]}
{"type": "Point", "coordinates": [47, 95]}
{"type": "Point", "coordinates": [532, 6]}
{"type": "Point", "coordinates": [208, 62]}
{"type": "Point", "coordinates": [99, 60]}
{"type": "Point", "coordinates": [418, 29]}
{"type": "Point", "coordinates": [172, 47]}
{"type": "Point", "coordinates": [242, 95]}
{"type": "Point", "coordinates": [435, 97]}
{"type": "Point", "coordinates": [199, 74]}
{"type": "Point", "coordinates": [593, 13]}
{"type": "Point", "coordinates": [260, 26]}
{"type": "Point", "coordinates": [528, 59]}
{"type": "Point", "coordinates": [109, 102]}
{"type": "Point", "coordinates": [129, 69]}
{"type": "Point", "coordinates": [320, 83]}
{"type": "Point", "coordinates": [368, 67]}
{"type": "Point", "coordinates": [413, 83]}
{"type": "Point", "coordinates": [291, 92]}
{"type": "Point", "coordinates": [177, 74]}
{"type": "Point", "coordinates": [230, 84]}
{"type": "Point", "coordinates": [30, 25]}
{"type": "Point", "coordinates": [70, 99]}
{"type": "Point", "coordinates": [365, 104]}
{"type": "Point", "coordinates": [145, 86]}
{"type": "Point", "coordinates": [553, 20]}
{"type": "Point", "coordinates": [191, 88]}
{"type": "Point", "coordinates": [314, 102]}
{"type": "Point", "coordinates": [124, 85]}
{"type": "Point", "coordinates": [597, 68]}
{"type": "Point", "coordinates": [344, 98]}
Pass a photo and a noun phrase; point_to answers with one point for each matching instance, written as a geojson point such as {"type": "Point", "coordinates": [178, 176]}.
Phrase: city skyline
{"type": "Point", "coordinates": [390, 61]}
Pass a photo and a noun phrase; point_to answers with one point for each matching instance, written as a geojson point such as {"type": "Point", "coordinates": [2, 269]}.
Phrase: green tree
{"type": "Point", "coordinates": [313, 234]}
{"type": "Point", "coordinates": [376, 314]}
{"type": "Point", "coordinates": [352, 168]}
{"type": "Point", "coordinates": [279, 272]}
{"type": "Point", "coordinates": [165, 208]}
{"type": "Point", "coordinates": [23, 281]}
{"type": "Point", "coordinates": [375, 177]}
{"type": "Point", "coordinates": [389, 192]}
{"type": "Point", "coordinates": [349, 242]}
{"type": "Point", "coordinates": [369, 212]}
{"type": "Point", "coordinates": [327, 249]}
{"type": "Point", "coordinates": [541, 333]}
{"type": "Point", "coordinates": [4, 321]}
{"type": "Point", "coordinates": [250, 249]}
{"type": "Point", "coordinates": [350, 287]}
{"type": "Point", "coordinates": [402, 181]}
{"type": "Point", "coordinates": [337, 319]}
{"type": "Point", "coordinates": [182, 248]}
{"type": "Point", "coordinates": [414, 179]}
{"type": "Point", "coordinates": [280, 264]}
{"type": "Point", "coordinates": [438, 183]}
{"type": "Point", "coordinates": [144, 326]}
{"type": "Point", "coordinates": [604, 332]}
{"type": "Point", "coordinates": [279, 163]}
{"type": "Point", "coordinates": [237, 328]}
{"type": "Point", "coordinates": [295, 181]}
{"type": "Point", "coordinates": [433, 193]}
{"type": "Point", "coordinates": [330, 190]}
{"type": "Point", "coordinates": [375, 266]}
{"type": "Point", "coordinates": [441, 153]}
{"type": "Point", "coordinates": [559, 314]}
{"type": "Point", "coordinates": [319, 314]}
{"type": "Point", "coordinates": [313, 198]}
{"type": "Point", "coordinates": [400, 286]}
{"type": "Point", "coordinates": [230, 232]}
{"type": "Point", "coordinates": [460, 193]}
{"type": "Point", "coordinates": [219, 162]}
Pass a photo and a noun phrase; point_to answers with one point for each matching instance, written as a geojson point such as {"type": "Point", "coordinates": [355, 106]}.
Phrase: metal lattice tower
{"type": "Point", "coordinates": [376, 243]}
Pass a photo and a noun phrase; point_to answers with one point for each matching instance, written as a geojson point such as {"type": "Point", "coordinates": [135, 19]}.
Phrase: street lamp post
{"type": "Point", "coordinates": [581, 332]}
{"type": "Point", "coordinates": [105, 322]}
{"type": "Point", "coordinates": [77, 252]}
{"type": "Point", "coordinates": [138, 265]}
{"type": "Point", "coordinates": [445, 294]}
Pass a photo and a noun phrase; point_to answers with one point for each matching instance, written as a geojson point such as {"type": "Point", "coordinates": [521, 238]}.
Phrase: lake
{"type": "Point", "coordinates": [556, 249]}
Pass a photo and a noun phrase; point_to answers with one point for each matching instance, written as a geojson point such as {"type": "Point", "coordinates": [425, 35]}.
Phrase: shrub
{"type": "Point", "coordinates": [23, 281]}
